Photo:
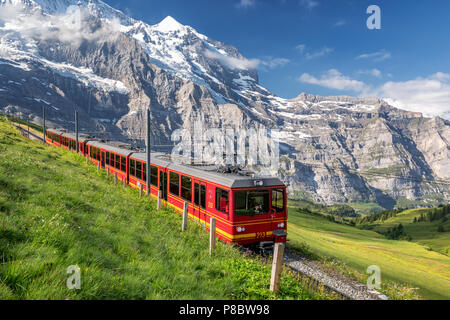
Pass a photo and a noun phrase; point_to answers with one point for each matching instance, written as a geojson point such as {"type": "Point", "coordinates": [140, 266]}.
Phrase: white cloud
{"type": "Point", "coordinates": [310, 4]}
{"type": "Point", "coordinates": [273, 63]}
{"type": "Point", "coordinates": [246, 3]}
{"type": "Point", "coordinates": [73, 26]}
{"type": "Point", "coordinates": [325, 51]}
{"type": "Point", "coordinates": [340, 23]}
{"type": "Point", "coordinates": [232, 62]}
{"type": "Point", "coordinates": [376, 56]}
{"type": "Point", "coordinates": [372, 72]}
{"type": "Point", "coordinates": [430, 95]}
{"type": "Point", "coordinates": [302, 48]}
{"type": "Point", "coordinates": [245, 64]}
{"type": "Point", "coordinates": [333, 79]}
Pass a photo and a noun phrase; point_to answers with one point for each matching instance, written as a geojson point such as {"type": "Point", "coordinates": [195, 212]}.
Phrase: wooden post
{"type": "Point", "coordinates": [87, 159]}
{"type": "Point", "coordinates": [107, 174]}
{"type": "Point", "coordinates": [141, 190]}
{"type": "Point", "coordinates": [98, 166]}
{"type": "Point", "coordinates": [185, 216]}
{"type": "Point", "coordinates": [212, 236]}
{"type": "Point", "coordinates": [124, 183]}
{"type": "Point", "coordinates": [158, 204]}
{"type": "Point", "coordinates": [115, 178]}
{"type": "Point", "coordinates": [278, 252]}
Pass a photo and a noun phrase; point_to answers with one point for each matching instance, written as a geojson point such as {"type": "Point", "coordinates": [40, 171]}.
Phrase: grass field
{"type": "Point", "coordinates": [55, 211]}
{"type": "Point", "coordinates": [400, 261]}
{"type": "Point", "coordinates": [424, 233]}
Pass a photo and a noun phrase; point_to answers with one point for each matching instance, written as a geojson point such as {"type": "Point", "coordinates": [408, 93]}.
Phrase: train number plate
{"type": "Point", "coordinates": [260, 235]}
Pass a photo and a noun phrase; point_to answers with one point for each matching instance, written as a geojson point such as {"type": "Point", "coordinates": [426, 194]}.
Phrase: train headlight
{"type": "Point", "coordinates": [281, 225]}
{"type": "Point", "coordinates": [240, 229]}
{"type": "Point", "coordinates": [258, 183]}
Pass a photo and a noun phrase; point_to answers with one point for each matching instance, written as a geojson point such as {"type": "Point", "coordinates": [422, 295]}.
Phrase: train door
{"type": "Point", "coordinates": [278, 208]}
{"type": "Point", "coordinates": [199, 204]}
{"type": "Point", "coordinates": [163, 183]}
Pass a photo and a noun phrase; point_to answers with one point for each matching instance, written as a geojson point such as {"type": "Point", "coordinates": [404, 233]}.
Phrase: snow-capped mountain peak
{"type": "Point", "coordinates": [169, 24]}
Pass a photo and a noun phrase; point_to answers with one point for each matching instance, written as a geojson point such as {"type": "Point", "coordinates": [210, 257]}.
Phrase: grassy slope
{"type": "Point", "coordinates": [400, 261]}
{"type": "Point", "coordinates": [423, 232]}
{"type": "Point", "coordinates": [55, 212]}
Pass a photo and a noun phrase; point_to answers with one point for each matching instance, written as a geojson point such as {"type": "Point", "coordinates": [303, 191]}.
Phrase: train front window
{"type": "Point", "coordinates": [249, 203]}
{"type": "Point", "coordinates": [278, 200]}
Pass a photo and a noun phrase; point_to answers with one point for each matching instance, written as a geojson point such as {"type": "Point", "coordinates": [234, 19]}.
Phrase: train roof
{"type": "Point", "coordinates": [81, 137]}
{"type": "Point", "coordinates": [210, 173]}
{"type": "Point", "coordinates": [116, 147]}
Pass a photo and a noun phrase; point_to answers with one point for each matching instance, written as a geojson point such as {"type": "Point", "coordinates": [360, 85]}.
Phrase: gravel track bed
{"type": "Point", "coordinates": [339, 283]}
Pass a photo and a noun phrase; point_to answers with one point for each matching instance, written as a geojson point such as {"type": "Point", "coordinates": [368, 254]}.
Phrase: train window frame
{"type": "Point", "coordinates": [247, 211]}
{"type": "Point", "coordinates": [123, 164]}
{"type": "Point", "coordinates": [278, 192]}
{"type": "Point", "coordinates": [138, 169]}
{"type": "Point", "coordinates": [219, 195]}
{"type": "Point", "coordinates": [117, 161]}
{"type": "Point", "coordinates": [172, 184]}
{"type": "Point", "coordinates": [132, 167]}
{"type": "Point", "coordinates": [196, 193]}
{"type": "Point", "coordinates": [144, 171]}
{"type": "Point", "coordinates": [153, 175]}
{"type": "Point", "coordinates": [202, 196]}
{"type": "Point", "coordinates": [186, 188]}
{"type": "Point", "coordinates": [107, 158]}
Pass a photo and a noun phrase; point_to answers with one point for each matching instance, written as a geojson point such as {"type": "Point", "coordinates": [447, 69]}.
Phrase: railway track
{"type": "Point", "coordinates": [30, 134]}
{"type": "Point", "coordinates": [332, 281]}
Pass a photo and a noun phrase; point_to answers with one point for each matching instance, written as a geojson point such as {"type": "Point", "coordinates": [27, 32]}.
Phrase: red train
{"type": "Point", "coordinates": [248, 211]}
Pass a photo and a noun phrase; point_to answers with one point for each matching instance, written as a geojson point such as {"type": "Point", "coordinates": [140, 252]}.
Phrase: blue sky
{"type": "Point", "coordinates": [324, 47]}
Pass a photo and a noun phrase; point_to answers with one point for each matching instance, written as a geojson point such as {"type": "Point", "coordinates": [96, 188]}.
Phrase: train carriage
{"type": "Point", "coordinates": [112, 158]}
{"type": "Point", "coordinates": [66, 140]}
{"type": "Point", "coordinates": [248, 210]}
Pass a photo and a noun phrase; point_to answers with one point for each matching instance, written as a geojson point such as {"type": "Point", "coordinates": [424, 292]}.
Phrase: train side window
{"type": "Point", "coordinates": [107, 158]}
{"type": "Point", "coordinates": [203, 196]}
{"type": "Point", "coordinates": [278, 200]}
{"type": "Point", "coordinates": [196, 194]}
{"type": "Point", "coordinates": [139, 170]}
{"type": "Point", "coordinates": [117, 162]}
{"type": "Point", "coordinates": [186, 188]}
{"type": "Point", "coordinates": [123, 164]}
{"type": "Point", "coordinates": [175, 184]}
{"type": "Point", "coordinates": [154, 175]}
{"type": "Point", "coordinates": [132, 168]}
{"type": "Point", "coordinates": [144, 171]}
{"type": "Point", "coordinates": [221, 200]}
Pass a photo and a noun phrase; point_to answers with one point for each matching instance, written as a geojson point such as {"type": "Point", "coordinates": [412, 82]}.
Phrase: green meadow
{"type": "Point", "coordinates": [56, 211]}
{"type": "Point", "coordinates": [414, 266]}
{"type": "Point", "coordinates": [424, 233]}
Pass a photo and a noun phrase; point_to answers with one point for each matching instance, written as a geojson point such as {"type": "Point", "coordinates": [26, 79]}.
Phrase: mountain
{"type": "Point", "coordinates": [83, 55]}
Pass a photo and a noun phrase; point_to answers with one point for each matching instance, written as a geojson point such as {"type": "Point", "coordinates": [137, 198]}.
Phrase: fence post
{"type": "Point", "coordinates": [87, 159]}
{"type": "Point", "coordinates": [115, 178]}
{"type": "Point", "coordinates": [141, 189]}
{"type": "Point", "coordinates": [98, 166]}
{"type": "Point", "coordinates": [124, 183]}
{"type": "Point", "coordinates": [158, 204]}
{"type": "Point", "coordinates": [212, 236]}
{"type": "Point", "coordinates": [278, 252]}
{"type": "Point", "coordinates": [107, 174]}
{"type": "Point", "coordinates": [185, 216]}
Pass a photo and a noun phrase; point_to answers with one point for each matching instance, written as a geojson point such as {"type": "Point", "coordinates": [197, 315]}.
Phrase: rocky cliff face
{"type": "Point", "coordinates": [334, 149]}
